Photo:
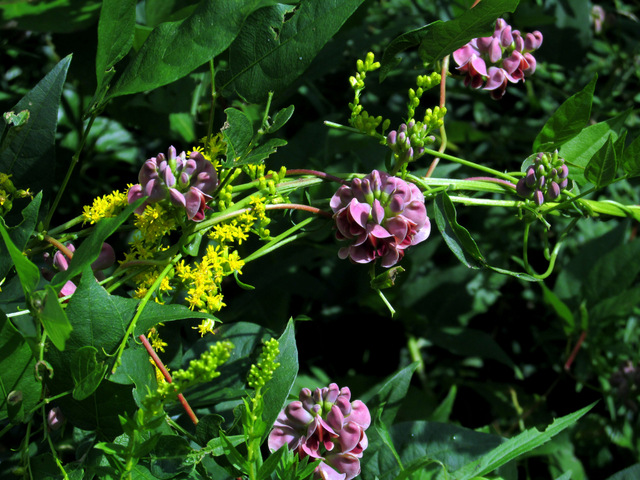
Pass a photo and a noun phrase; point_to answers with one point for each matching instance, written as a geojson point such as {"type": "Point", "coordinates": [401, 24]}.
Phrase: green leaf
{"type": "Point", "coordinates": [16, 119]}
{"type": "Point", "coordinates": [277, 389]}
{"type": "Point", "coordinates": [20, 234]}
{"type": "Point", "coordinates": [631, 473]}
{"type": "Point", "coordinates": [155, 313]}
{"type": "Point", "coordinates": [60, 16]}
{"type": "Point", "coordinates": [631, 158]}
{"type": "Point", "coordinates": [27, 270]}
{"type": "Point", "coordinates": [171, 456]}
{"type": "Point", "coordinates": [561, 309]}
{"type": "Point", "coordinates": [388, 396]}
{"type": "Point", "coordinates": [280, 119]}
{"type": "Point", "coordinates": [86, 371]}
{"type": "Point", "coordinates": [274, 47]}
{"type": "Point", "coordinates": [17, 365]}
{"type": "Point", "coordinates": [262, 152]}
{"type": "Point", "coordinates": [601, 169]}
{"type": "Point", "coordinates": [457, 238]}
{"type": "Point", "coordinates": [516, 446]}
{"type": "Point", "coordinates": [54, 319]}
{"type": "Point", "coordinates": [238, 132]}
{"type": "Point", "coordinates": [270, 464]}
{"type": "Point", "coordinates": [91, 247]}
{"type": "Point", "coordinates": [568, 120]}
{"type": "Point", "coordinates": [174, 49]}
{"type": "Point", "coordinates": [578, 151]}
{"type": "Point", "coordinates": [444, 38]}
{"type": "Point", "coordinates": [27, 152]}
{"type": "Point", "coordinates": [115, 36]}
{"type": "Point", "coordinates": [443, 411]}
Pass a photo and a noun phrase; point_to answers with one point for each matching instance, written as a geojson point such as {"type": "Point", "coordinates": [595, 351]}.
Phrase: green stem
{"type": "Point", "coordinates": [279, 241]}
{"type": "Point", "coordinates": [467, 163]}
{"type": "Point", "coordinates": [74, 161]}
{"type": "Point", "coordinates": [132, 325]}
{"type": "Point", "coordinates": [214, 96]}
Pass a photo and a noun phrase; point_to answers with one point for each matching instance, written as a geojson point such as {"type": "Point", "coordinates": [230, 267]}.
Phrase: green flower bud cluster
{"type": "Point", "coordinates": [201, 370]}
{"type": "Point", "coordinates": [434, 118]}
{"type": "Point", "coordinates": [225, 197]}
{"type": "Point", "coordinates": [262, 371]}
{"type": "Point", "coordinates": [360, 118]}
{"type": "Point", "coordinates": [423, 82]}
{"type": "Point", "coordinates": [8, 192]}
{"type": "Point", "coordinates": [279, 175]}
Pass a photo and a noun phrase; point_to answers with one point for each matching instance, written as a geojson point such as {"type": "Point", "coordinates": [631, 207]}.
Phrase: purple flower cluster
{"type": "Point", "coordinates": [408, 142]}
{"type": "Point", "coordinates": [327, 425]}
{"type": "Point", "coordinates": [506, 53]}
{"type": "Point", "coordinates": [185, 182]}
{"type": "Point", "coordinates": [382, 215]}
{"type": "Point", "coordinates": [545, 179]}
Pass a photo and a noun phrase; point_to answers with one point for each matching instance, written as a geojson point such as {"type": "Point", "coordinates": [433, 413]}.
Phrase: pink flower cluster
{"type": "Point", "coordinates": [507, 54]}
{"type": "Point", "coordinates": [185, 182]}
{"type": "Point", "coordinates": [382, 215]}
{"type": "Point", "coordinates": [327, 425]}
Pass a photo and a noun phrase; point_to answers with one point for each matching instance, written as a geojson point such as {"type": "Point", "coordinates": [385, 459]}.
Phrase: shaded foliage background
{"type": "Point", "coordinates": [496, 341]}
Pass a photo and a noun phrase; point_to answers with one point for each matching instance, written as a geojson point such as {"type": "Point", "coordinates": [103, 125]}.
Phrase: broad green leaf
{"type": "Point", "coordinates": [561, 309]}
{"type": "Point", "coordinates": [612, 273]}
{"type": "Point", "coordinates": [17, 365]}
{"type": "Point", "coordinates": [631, 473]}
{"type": "Point", "coordinates": [237, 134]}
{"type": "Point", "coordinates": [280, 119]}
{"type": "Point", "coordinates": [135, 368]}
{"type": "Point", "coordinates": [565, 476]}
{"type": "Point", "coordinates": [457, 238]}
{"type": "Point", "coordinates": [389, 395]}
{"type": "Point", "coordinates": [158, 11]}
{"type": "Point", "coordinates": [631, 158]}
{"type": "Point", "coordinates": [568, 120]}
{"type": "Point", "coordinates": [86, 371]}
{"type": "Point", "coordinates": [54, 319]}
{"type": "Point", "coordinates": [439, 39]}
{"type": "Point", "coordinates": [27, 152]}
{"type": "Point", "coordinates": [155, 313]}
{"type": "Point", "coordinates": [20, 234]}
{"type": "Point", "coordinates": [444, 38]}
{"type": "Point", "coordinates": [601, 169]}
{"type": "Point", "coordinates": [277, 389]}
{"type": "Point", "coordinates": [578, 151]}
{"type": "Point", "coordinates": [27, 270]}
{"type": "Point", "coordinates": [115, 36]}
{"type": "Point", "coordinates": [516, 446]}
{"type": "Point", "coordinates": [59, 16]}
{"type": "Point", "coordinates": [261, 153]}
{"type": "Point", "coordinates": [620, 305]}
{"type": "Point", "coordinates": [171, 456]}
{"type": "Point", "coordinates": [275, 47]}
{"type": "Point", "coordinates": [174, 49]}
{"type": "Point", "coordinates": [90, 248]}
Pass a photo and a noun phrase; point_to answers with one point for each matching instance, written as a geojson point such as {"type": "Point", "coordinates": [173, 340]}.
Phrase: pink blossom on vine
{"type": "Point", "coordinates": [381, 215]}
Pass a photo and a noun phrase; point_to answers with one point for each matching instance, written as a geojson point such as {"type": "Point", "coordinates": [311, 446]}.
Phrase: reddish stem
{"type": "Point", "coordinates": [316, 173]}
{"type": "Point", "coordinates": [60, 246]}
{"type": "Point", "coordinates": [297, 206]}
{"type": "Point", "coordinates": [575, 350]}
{"type": "Point", "coordinates": [168, 378]}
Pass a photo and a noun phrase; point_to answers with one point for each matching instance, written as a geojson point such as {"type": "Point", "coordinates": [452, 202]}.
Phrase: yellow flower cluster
{"type": "Point", "coordinates": [203, 279]}
{"type": "Point", "coordinates": [106, 206]}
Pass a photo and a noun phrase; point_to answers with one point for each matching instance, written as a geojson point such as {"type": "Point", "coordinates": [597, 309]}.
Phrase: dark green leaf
{"type": "Point", "coordinates": [91, 247]}
{"type": "Point", "coordinates": [277, 389]}
{"type": "Point", "coordinates": [261, 153]}
{"type": "Point", "coordinates": [27, 151]}
{"type": "Point", "coordinates": [601, 169]}
{"type": "Point", "coordinates": [27, 270]}
{"type": "Point", "coordinates": [445, 37]}
{"type": "Point", "coordinates": [457, 238]}
{"type": "Point", "coordinates": [115, 36]}
{"type": "Point", "coordinates": [270, 464]}
{"type": "Point", "coordinates": [86, 371]}
{"type": "Point", "coordinates": [280, 118]}
{"type": "Point", "coordinates": [389, 395]}
{"type": "Point", "coordinates": [631, 473]}
{"type": "Point", "coordinates": [54, 319]}
{"type": "Point", "coordinates": [560, 308]}
{"type": "Point", "coordinates": [17, 365]}
{"type": "Point", "coordinates": [568, 120]}
{"type": "Point", "coordinates": [272, 50]}
{"type": "Point", "coordinates": [171, 456]}
{"type": "Point", "coordinates": [208, 428]}
{"type": "Point", "coordinates": [518, 445]}
{"type": "Point", "coordinates": [238, 133]}
{"type": "Point", "coordinates": [402, 43]}
{"type": "Point", "coordinates": [578, 151]}
{"type": "Point", "coordinates": [20, 234]}
{"type": "Point", "coordinates": [631, 158]}
{"type": "Point", "coordinates": [175, 49]}
{"type": "Point", "coordinates": [61, 16]}
{"type": "Point", "coordinates": [443, 411]}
